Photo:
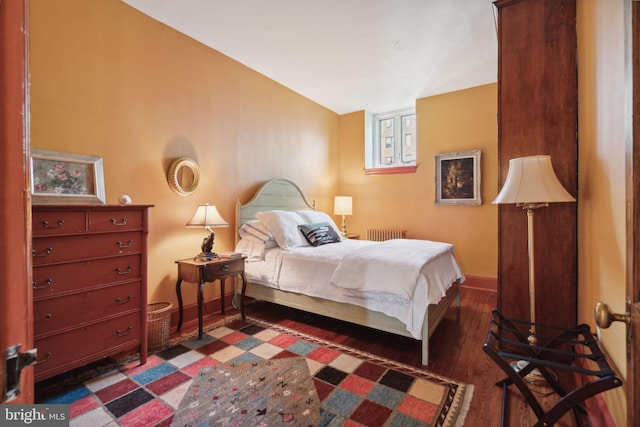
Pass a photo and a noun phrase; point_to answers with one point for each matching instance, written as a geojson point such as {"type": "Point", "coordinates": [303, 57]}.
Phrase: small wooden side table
{"type": "Point", "coordinates": [199, 272]}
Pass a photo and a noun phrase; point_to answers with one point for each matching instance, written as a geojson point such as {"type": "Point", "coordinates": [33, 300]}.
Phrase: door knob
{"type": "Point", "coordinates": [14, 362]}
{"type": "Point", "coordinates": [605, 316]}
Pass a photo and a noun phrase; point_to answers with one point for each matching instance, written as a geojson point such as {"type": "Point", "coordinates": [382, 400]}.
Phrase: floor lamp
{"type": "Point", "coordinates": [531, 184]}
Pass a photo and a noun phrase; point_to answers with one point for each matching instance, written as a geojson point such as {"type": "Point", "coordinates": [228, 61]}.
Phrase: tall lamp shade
{"type": "Point", "coordinates": [531, 184]}
{"type": "Point", "coordinates": [532, 180]}
{"type": "Point", "coordinates": [343, 205]}
{"type": "Point", "coordinates": [208, 217]}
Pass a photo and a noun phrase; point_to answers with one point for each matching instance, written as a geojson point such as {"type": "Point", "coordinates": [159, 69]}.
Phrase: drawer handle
{"type": "Point", "coordinates": [124, 334]}
{"type": "Point", "coordinates": [125, 245]}
{"type": "Point", "coordinates": [122, 222]}
{"type": "Point", "coordinates": [225, 268]}
{"type": "Point", "coordinates": [47, 252]}
{"type": "Point", "coordinates": [35, 286]}
{"type": "Point", "coordinates": [120, 302]}
{"type": "Point", "coordinates": [49, 316]}
{"type": "Point", "coordinates": [46, 225]}
{"type": "Point", "coordinates": [124, 272]}
{"type": "Point", "coordinates": [46, 358]}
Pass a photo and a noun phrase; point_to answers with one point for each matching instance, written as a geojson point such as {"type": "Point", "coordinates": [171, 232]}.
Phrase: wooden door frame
{"type": "Point", "coordinates": [16, 324]}
{"type": "Point", "coordinates": [633, 216]}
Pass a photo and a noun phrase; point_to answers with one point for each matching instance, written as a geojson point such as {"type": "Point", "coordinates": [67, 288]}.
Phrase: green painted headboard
{"type": "Point", "coordinates": [275, 194]}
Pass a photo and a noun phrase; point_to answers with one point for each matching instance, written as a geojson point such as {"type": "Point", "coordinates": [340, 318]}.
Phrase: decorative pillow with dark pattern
{"type": "Point", "coordinates": [319, 234]}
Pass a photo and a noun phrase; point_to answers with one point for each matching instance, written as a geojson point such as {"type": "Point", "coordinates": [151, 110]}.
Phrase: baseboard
{"type": "Point", "coordinates": [483, 283]}
{"type": "Point", "coordinates": [210, 309]}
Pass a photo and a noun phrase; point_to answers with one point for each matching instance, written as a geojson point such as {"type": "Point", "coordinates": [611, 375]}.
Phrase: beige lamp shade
{"type": "Point", "coordinates": [342, 205]}
{"type": "Point", "coordinates": [207, 216]}
{"type": "Point", "coordinates": [531, 180]}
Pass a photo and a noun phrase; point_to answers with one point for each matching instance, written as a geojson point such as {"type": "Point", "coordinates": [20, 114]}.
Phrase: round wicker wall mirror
{"type": "Point", "coordinates": [184, 176]}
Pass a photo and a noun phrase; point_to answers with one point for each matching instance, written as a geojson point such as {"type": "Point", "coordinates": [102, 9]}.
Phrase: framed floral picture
{"type": "Point", "coordinates": [458, 178]}
{"type": "Point", "coordinates": [65, 178]}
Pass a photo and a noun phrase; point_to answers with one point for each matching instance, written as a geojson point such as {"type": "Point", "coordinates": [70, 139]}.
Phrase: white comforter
{"type": "Point", "coordinates": [310, 270]}
{"type": "Point", "coordinates": [387, 270]}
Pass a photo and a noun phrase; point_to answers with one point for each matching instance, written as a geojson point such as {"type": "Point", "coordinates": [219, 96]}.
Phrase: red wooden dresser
{"type": "Point", "coordinates": [89, 284]}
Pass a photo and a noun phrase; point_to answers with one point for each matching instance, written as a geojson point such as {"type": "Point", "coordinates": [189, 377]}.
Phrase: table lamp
{"type": "Point", "coordinates": [343, 206]}
{"type": "Point", "coordinates": [207, 216]}
{"type": "Point", "coordinates": [531, 184]}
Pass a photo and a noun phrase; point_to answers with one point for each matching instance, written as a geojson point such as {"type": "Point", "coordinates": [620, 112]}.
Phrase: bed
{"type": "Point", "coordinates": [318, 279]}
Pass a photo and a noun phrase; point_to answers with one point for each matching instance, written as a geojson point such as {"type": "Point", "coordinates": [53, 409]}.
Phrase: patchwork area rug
{"type": "Point", "coordinates": [351, 387]}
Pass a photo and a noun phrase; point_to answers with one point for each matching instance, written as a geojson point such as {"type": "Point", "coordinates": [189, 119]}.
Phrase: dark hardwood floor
{"type": "Point", "coordinates": [456, 351]}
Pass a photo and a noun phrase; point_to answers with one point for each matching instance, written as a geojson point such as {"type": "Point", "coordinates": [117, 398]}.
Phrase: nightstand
{"type": "Point", "coordinates": [199, 272]}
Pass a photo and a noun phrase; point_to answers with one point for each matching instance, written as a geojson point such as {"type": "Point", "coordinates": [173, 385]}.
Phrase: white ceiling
{"type": "Point", "coordinates": [347, 55]}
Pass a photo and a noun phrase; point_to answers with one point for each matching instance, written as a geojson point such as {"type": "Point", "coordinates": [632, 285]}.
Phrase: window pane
{"type": "Point", "coordinates": [393, 140]}
{"type": "Point", "coordinates": [387, 141]}
{"type": "Point", "coordinates": [408, 147]}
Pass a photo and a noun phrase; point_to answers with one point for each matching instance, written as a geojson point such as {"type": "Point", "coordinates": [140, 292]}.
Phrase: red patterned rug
{"type": "Point", "coordinates": [203, 382]}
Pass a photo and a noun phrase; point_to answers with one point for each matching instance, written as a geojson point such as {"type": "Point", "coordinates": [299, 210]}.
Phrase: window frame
{"type": "Point", "coordinates": [373, 151]}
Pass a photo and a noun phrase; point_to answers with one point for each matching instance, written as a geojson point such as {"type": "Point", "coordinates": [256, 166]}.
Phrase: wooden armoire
{"type": "Point", "coordinates": [538, 114]}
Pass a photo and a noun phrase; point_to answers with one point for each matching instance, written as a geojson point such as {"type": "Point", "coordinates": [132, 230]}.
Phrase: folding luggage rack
{"type": "Point", "coordinates": [507, 343]}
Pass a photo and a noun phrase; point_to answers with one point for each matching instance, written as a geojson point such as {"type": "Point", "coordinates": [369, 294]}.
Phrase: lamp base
{"type": "Point", "coordinates": [534, 376]}
{"type": "Point", "coordinates": [519, 365]}
{"type": "Point", "coordinates": [206, 256]}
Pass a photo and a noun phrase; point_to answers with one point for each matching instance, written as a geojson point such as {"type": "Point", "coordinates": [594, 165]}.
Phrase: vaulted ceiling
{"type": "Point", "coordinates": [347, 55]}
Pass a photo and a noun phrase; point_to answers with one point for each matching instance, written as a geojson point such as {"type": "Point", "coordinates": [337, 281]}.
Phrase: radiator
{"type": "Point", "coordinates": [381, 234]}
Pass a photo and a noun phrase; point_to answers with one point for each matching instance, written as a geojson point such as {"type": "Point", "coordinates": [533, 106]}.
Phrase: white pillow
{"type": "Point", "coordinates": [283, 226]}
{"type": "Point", "coordinates": [313, 217]}
{"type": "Point", "coordinates": [255, 231]}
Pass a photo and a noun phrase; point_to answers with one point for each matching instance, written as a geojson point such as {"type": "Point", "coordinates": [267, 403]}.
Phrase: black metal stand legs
{"type": "Point", "coordinates": [573, 349]}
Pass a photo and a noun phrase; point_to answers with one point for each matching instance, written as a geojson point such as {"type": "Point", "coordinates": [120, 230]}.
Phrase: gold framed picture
{"type": "Point", "coordinates": [65, 178]}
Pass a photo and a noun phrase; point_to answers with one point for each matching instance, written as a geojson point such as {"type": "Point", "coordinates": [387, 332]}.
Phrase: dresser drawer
{"type": "Point", "coordinates": [53, 223]}
{"type": "Point", "coordinates": [47, 250]}
{"type": "Point", "coordinates": [83, 307]}
{"type": "Point", "coordinates": [50, 280]}
{"type": "Point", "coordinates": [230, 267]}
{"type": "Point", "coordinates": [115, 220]}
{"type": "Point", "coordinates": [61, 352]}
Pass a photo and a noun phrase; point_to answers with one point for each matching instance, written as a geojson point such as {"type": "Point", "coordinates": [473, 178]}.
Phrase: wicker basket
{"type": "Point", "coordinates": [158, 324]}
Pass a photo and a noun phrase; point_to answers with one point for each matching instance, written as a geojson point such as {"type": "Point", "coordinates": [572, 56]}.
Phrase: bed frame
{"type": "Point", "coordinates": [283, 194]}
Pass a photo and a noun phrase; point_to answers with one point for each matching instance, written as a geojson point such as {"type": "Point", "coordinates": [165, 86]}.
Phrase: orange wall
{"type": "Point", "coordinates": [108, 81]}
{"type": "Point", "coordinates": [457, 121]}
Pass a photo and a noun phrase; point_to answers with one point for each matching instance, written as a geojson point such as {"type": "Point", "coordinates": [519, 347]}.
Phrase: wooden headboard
{"type": "Point", "coordinates": [275, 194]}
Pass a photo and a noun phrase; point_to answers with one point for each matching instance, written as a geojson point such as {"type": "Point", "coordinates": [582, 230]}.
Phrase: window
{"type": "Point", "coordinates": [392, 141]}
